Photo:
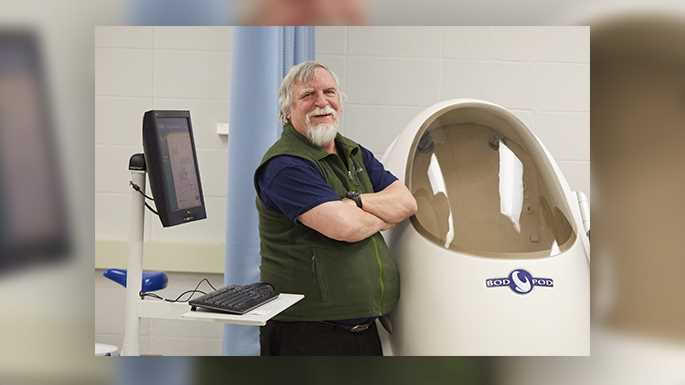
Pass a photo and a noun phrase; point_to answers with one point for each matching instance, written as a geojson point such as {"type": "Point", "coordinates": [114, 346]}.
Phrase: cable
{"type": "Point", "coordinates": [137, 188]}
{"type": "Point", "coordinates": [184, 293]}
{"type": "Point", "coordinates": [177, 299]}
{"type": "Point", "coordinates": [153, 295]}
{"type": "Point", "coordinates": [208, 283]}
{"type": "Point", "coordinates": [151, 209]}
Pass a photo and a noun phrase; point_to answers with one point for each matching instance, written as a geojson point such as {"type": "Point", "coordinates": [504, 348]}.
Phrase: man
{"type": "Point", "coordinates": [323, 200]}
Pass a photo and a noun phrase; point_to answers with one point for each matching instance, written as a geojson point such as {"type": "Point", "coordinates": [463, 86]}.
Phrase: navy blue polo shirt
{"type": "Point", "coordinates": [293, 186]}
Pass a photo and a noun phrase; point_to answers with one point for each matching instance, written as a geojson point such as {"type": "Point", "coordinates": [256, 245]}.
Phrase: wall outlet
{"type": "Point", "coordinates": [222, 129]}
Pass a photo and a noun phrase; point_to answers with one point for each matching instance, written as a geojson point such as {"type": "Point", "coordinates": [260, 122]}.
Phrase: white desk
{"type": "Point", "coordinates": [256, 317]}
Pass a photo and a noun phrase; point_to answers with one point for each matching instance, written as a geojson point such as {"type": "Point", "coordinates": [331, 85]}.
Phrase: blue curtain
{"type": "Point", "coordinates": [180, 12]}
{"type": "Point", "coordinates": [261, 57]}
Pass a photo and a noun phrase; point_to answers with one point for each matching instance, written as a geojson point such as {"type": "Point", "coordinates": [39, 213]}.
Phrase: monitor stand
{"type": "Point", "coordinates": [136, 308]}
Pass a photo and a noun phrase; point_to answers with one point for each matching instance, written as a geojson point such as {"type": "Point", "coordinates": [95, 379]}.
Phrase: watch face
{"type": "Point", "coordinates": [355, 196]}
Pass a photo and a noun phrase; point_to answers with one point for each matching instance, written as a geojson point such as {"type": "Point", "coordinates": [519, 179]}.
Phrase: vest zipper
{"type": "Point", "coordinates": [317, 279]}
{"type": "Point", "coordinates": [380, 274]}
{"type": "Point", "coordinates": [355, 169]}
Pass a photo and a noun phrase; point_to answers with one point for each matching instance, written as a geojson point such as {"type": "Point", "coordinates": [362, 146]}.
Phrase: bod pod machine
{"type": "Point", "coordinates": [496, 259]}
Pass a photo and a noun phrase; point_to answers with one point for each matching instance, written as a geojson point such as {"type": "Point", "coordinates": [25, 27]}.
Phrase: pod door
{"type": "Point", "coordinates": [485, 187]}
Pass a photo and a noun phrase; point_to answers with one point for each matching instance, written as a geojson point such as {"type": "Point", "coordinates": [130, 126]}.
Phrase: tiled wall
{"type": "Point", "coordinates": [138, 69]}
{"type": "Point", "coordinates": [541, 73]}
{"type": "Point", "coordinates": [388, 73]}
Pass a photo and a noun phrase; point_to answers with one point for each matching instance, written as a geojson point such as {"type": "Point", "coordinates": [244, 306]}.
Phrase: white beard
{"type": "Point", "coordinates": [322, 134]}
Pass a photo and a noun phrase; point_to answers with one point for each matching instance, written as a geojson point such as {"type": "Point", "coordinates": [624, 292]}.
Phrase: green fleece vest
{"type": "Point", "coordinates": [339, 280]}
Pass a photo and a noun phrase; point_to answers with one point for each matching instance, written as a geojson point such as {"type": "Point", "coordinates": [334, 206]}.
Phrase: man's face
{"type": "Point", "coordinates": [316, 106]}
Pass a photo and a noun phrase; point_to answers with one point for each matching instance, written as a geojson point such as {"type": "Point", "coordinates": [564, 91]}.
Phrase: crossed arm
{"type": "Point", "coordinates": [344, 221]}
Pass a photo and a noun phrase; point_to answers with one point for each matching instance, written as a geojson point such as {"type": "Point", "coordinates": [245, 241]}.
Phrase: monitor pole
{"type": "Point", "coordinates": [134, 275]}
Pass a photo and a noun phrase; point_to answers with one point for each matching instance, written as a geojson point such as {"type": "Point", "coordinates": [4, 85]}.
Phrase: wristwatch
{"type": "Point", "coordinates": [356, 197]}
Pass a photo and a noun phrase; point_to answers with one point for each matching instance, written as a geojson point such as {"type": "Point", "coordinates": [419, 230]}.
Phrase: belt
{"type": "Point", "coordinates": [352, 328]}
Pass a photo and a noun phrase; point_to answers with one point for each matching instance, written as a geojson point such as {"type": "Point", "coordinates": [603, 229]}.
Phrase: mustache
{"type": "Point", "coordinates": [322, 111]}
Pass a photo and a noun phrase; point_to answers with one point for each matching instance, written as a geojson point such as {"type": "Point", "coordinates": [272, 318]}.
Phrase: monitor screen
{"type": "Point", "coordinates": [171, 162]}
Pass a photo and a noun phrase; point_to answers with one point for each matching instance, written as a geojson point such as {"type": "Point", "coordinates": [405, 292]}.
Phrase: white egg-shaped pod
{"type": "Point", "coordinates": [495, 261]}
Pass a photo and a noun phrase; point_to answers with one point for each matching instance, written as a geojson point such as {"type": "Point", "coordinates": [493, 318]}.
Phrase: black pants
{"type": "Point", "coordinates": [280, 338]}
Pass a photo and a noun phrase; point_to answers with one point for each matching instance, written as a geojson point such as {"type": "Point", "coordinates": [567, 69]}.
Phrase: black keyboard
{"type": "Point", "coordinates": [236, 299]}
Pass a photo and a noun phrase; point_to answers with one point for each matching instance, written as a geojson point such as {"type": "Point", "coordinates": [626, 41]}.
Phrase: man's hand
{"type": "Point", "coordinates": [393, 204]}
{"type": "Point", "coordinates": [343, 221]}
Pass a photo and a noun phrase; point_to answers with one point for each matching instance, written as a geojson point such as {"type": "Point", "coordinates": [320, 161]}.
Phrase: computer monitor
{"type": "Point", "coordinates": [172, 167]}
{"type": "Point", "coordinates": [33, 217]}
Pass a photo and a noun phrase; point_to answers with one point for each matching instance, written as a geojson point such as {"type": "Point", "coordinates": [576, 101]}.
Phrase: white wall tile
{"type": "Point", "coordinates": [204, 115]}
{"type": "Point", "coordinates": [111, 168]}
{"type": "Point", "coordinates": [565, 134]}
{"type": "Point", "coordinates": [331, 40]}
{"type": "Point", "coordinates": [527, 117]}
{"type": "Point", "coordinates": [123, 37]}
{"type": "Point", "coordinates": [375, 127]}
{"type": "Point", "coordinates": [336, 63]}
{"type": "Point", "coordinates": [219, 71]}
{"type": "Point", "coordinates": [395, 41]}
{"type": "Point", "coordinates": [514, 43]}
{"type": "Point", "coordinates": [565, 44]}
{"type": "Point", "coordinates": [119, 120]}
{"type": "Point", "coordinates": [505, 83]}
{"type": "Point", "coordinates": [213, 170]}
{"type": "Point", "coordinates": [406, 82]}
{"type": "Point", "coordinates": [492, 43]}
{"type": "Point", "coordinates": [111, 216]}
{"type": "Point", "coordinates": [212, 229]}
{"type": "Point", "coordinates": [123, 72]}
{"type": "Point", "coordinates": [181, 74]}
{"type": "Point", "coordinates": [192, 74]}
{"type": "Point", "coordinates": [468, 43]}
{"type": "Point", "coordinates": [193, 38]}
{"type": "Point", "coordinates": [561, 86]}
{"type": "Point", "coordinates": [577, 174]}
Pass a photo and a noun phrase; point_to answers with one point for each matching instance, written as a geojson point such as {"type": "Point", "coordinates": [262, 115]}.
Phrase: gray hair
{"type": "Point", "coordinates": [298, 73]}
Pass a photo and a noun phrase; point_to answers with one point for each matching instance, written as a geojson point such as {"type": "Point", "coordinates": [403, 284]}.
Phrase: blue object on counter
{"type": "Point", "coordinates": [152, 280]}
